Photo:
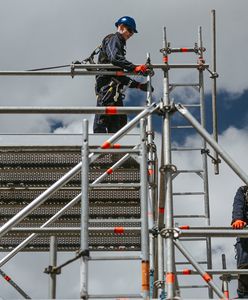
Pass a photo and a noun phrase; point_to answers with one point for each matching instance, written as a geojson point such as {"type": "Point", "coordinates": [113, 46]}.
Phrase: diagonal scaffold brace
{"type": "Point", "coordinates": [223, 154]}
{"type": "Point", "coordinates": [15, 286]}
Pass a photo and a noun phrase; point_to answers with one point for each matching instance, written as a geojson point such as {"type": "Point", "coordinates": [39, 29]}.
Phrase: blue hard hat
{"type": "Point", "coordinates": [128, 21]}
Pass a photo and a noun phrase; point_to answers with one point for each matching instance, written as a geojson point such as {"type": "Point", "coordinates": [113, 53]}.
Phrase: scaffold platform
{"type": "Point", "coordinates": [29, 170]}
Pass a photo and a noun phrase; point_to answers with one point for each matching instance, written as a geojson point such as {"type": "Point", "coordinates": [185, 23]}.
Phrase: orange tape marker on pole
{"type": "Point", "coordinates": [170, 278]}
{"type": "Point", "coordinates": [145, 276]}
{"type": "Point", "coordinates": [206, 277]}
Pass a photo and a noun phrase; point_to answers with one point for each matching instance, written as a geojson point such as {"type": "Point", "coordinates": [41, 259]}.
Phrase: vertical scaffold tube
{"type": "Point", "coordinates": [53, 263]}
{"type": "Point", "coordinates": [214, 91]}
{"type": "Point", "coordinates": [170, 255]}
{"type": "Point", "coordinates": [152, 188]}
{"type": "Point", "coordinates": [225, 288]}
{"type": "Point", "coordinates": [85, 213]}
{"type": "Point", "coordinates": [145, 268]}
{"type": "Point", "coordinates": [161, 282]}
{"type": "Point", "coordinates": [204, 156]}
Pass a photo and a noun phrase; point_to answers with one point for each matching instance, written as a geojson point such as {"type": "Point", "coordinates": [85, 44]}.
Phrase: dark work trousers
{"type": "Point", "coordinates": [242, 263]}
{"type": "Point", "coordinates": [109, 123]}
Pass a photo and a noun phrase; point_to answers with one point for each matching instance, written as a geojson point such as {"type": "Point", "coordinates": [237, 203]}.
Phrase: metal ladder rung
{"type": "Point", "coordinates": [193, 286]}
{"type": "Point", "coordinates": [115, 296]}
{"type": "Point", "coordinates": [136, 151]}
{"type": "Point", "coordinates": [188, 263]}
{"type": "Point", "coordinates": [182, 127]}
{"type": "Point", "coordinates": [114, 185]}
{"type": "Point", "coordinates": [189, 171]}
{"type": "Point", "coordinates": [183, 84]}
{"type": "Point", "coordinates": [188, 193]}
{"type": "Point", "coordinates": [189, 216]}
{"type": "Point", "coordinates": [185, 149]}
{"type": "Point", "coordinates": [114, 221]}
{"type": "Point", "coordinates": [100, 258]}
{"type": "Point", "coordinates": [193, 239]}
{"type": "Point", "coordinates": [192, 105]}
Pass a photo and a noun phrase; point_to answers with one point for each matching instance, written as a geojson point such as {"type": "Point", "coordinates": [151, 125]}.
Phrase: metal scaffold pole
{"type": "Point", "coordinates": [214, 76]}
{"type": "Point", "coordinates": [53, 263]}
{"type": "Point", "coordinates": [85, 213]}
{"type": "Point", "coordinates": [166, 138]}
{"type": "Point", "coordinates": [145, 266]}
{"type": "Point", "coordinates": [204, 155]}
{"type": "Point", "coordinates": [152, 192]}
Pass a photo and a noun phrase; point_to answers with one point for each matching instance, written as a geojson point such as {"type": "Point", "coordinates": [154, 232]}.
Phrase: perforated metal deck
{"type": "Point", "coordinates": [27, 171]}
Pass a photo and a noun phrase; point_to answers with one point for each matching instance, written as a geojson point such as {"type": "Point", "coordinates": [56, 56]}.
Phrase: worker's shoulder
{"type": "Point", "coordinates": [244, 188]}
{"type": "Point", "coordinates": [242, 192]}
{"type": "Point", "coordinates": [109, 37]}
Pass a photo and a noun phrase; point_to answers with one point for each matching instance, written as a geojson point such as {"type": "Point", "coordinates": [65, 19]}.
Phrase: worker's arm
{"type": "Point", "coordinates": [133, 84]}
{"type": "Point", "coordinates": [238, 213]}
{"type": "Point", "coordinates": [114, 51]}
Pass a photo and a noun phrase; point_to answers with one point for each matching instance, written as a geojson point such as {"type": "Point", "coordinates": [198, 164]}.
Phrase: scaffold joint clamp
{"type": "Point", "coordinates": [83, 253]}
{"type": "Point", "coordinates": [154, 231]}
{"type": "Point", "coordinates": [159, 284]}
{"type": "Point", "coordinates": [214, 160]}
{"type": "Point", "coordinates": [213, 74]}
{"type": "Point", "coordinates": [72, 70]}
{"type": "Point", "coordinates": [168, 168]}
{"type": "Point", "coordinates": [227, 277]}
{"type": "Point", "coordinates": [168, 232]}
{"type": "Point", "coordinates": [163, 109]}
{"type": "Point", "coordinates": [52, 270]}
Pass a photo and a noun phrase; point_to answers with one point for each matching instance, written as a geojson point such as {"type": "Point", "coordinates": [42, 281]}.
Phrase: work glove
{"type": "Point", "coordinates": [141, 69]}
{"type": "Point", "coordinates": [144, 87]}
{"type": "Point", "coordinates": [238, 224]}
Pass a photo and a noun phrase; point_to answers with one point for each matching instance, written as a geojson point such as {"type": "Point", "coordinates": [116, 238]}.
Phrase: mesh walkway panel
{"type": "Point", "coordinates": [26, 172]}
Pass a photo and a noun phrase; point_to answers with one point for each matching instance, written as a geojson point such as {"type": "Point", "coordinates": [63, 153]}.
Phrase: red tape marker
{"type": "Point", "coordinates": [187, 272]}
{"type": "Point", "coordinates": [106, 145]}
{"type": "Point", "coordinates": [111, 110]}
{"type": "Point", "coordinates": [119, 230]}
{"type": "Point", "coordinates": [7, 278]}
{"type": "Point", "coordinates": [109, 171]}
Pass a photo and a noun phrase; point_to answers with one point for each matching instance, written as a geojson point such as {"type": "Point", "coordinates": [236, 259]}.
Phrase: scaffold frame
{"type": "Point", "coordinates": [159, 235]}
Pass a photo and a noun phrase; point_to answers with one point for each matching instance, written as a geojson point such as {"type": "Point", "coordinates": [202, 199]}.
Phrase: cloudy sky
{"type": "Point", "coordinates": [48, 33]}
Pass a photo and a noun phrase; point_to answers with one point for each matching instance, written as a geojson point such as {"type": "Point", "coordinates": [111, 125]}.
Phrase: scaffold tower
{"type": "Point", "coordinates": [113, 197]}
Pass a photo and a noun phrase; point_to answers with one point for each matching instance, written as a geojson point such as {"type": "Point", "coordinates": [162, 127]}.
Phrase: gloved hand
{"type": "Point", "coordinates": [238, 224]}
{"type": "Point", "coordinates": [141, 69]}
{"type": "Point", "coordinates": [144, 87]}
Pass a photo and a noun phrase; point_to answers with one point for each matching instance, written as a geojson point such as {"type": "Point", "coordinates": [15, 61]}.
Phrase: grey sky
{"type": "Point", "coordinates": [47, 33]}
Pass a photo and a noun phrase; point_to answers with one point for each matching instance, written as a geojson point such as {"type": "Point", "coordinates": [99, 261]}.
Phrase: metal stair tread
{"type": "Point", "coordinates": [31, 170]}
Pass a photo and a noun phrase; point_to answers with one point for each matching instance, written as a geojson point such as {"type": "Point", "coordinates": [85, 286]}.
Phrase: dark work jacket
{"type": "Point", "coordinates": [240, 208]}
{"type": "Point", "coordinates": [113, 52]}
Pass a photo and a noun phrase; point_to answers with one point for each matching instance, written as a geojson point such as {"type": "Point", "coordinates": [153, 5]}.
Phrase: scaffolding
{"type": "Point", "coordinates": [108, 193]}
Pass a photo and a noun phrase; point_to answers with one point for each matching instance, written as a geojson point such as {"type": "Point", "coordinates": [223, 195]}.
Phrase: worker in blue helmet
{"type": "Point", "coordinates": [109, 89]}
{"type": "Point", "coordinates": [127, 21]}
{"type": "Point", "coordinates": [239, 221]}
